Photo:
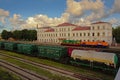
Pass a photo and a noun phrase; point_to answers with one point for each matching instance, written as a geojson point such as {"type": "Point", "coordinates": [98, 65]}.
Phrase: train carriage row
{"type": "Point", "coordinates": [98, 60]}
{"type": "Point", "coordinates": [92, 44]}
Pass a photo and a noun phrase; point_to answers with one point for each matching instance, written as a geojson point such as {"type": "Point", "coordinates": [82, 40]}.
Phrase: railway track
{"type": "Point", "coordinates": [51, 68]}
{"type": "Point", "coordinates": [23, 73]}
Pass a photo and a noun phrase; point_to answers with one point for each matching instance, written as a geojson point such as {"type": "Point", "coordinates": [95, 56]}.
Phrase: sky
{"type": "Point", "coordinates": [26, 14]}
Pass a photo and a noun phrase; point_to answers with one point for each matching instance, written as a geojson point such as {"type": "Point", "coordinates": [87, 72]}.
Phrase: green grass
{"type": "Point", "coordinates": [81, 70]}
{"type": "Point", "coordinates": [40, 71]}
{"type": "Point", "coordinates": [5, 75]}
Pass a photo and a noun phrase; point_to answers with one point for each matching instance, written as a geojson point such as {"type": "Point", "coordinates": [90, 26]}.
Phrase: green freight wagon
{"type": "Point", "coordinates": [1, 45]}
{"type": "Point", "coordinates": [29, 49]}
{"type": "Point", "coordinates": [10, 46]}
{"type": "Point", "coordinates": [52, 52]}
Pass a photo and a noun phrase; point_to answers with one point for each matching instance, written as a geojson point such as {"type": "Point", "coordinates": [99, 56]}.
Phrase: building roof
{"type": "Point", "coordinates": [66, 24]}
{"type": "Point", "coordinates": [100, 22]}
{"type": "Point", "coordinates": [81, 28]}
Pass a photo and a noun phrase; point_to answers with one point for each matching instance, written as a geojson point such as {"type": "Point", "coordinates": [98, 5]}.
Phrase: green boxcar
{"type": "Point", "coordinates": [27, 49]}
{"type": "Point", "coordinates": [10, 46]}
{"type": "Point", "coordinates": [52, 52]}
{"type": "Point", "coordinates": [1, 45]}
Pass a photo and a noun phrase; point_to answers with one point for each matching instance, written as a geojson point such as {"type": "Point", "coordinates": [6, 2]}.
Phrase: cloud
{"type": "Point", "coordinates": [3, 15]}
{"type": "Point", "coordinates": [44, 20]}
{"type": "Point", "coordinates": [16, 21]}
{"type": "Point", "coordinates": [114, 21]}
{"type": "Point", "coordinates": [116, 7]}
{"type": "Point", "coordinates": [74, 8]}
{"type": "Point", "coordinates": [75, 11]}
{"type": "Point", "coordinates": [81, 12]}
{"type": "Point", "coordinates": [1, 26]}
{"type": "Point", "coordinates": [78, 8]}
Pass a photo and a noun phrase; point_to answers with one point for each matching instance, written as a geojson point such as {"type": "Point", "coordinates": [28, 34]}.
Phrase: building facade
{"type": "Point", "coordinates": [99, 31]}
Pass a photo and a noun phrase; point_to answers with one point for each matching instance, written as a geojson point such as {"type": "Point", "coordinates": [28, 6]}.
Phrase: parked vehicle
{"type": "Point", "coordinates": [93, 59]}
{"type": "Point", "coordinates": [93, 44]}
{"type": "Point", "coordinates": [87, 58]}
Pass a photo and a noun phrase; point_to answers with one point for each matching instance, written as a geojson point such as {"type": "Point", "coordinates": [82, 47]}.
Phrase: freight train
{"type": "Point", "coordinates": [92, 44]}
{"type": "Point", "coordinates": [86, 58]}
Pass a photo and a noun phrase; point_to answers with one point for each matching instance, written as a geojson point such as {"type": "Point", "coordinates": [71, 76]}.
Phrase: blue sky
{"type": "Point", "coordinates": [26, 8]}
{"type": "Point", "coordinates": [19, 14]}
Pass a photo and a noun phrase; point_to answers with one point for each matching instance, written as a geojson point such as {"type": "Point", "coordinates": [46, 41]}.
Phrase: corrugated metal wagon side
{"type": "Point", "coordinates": [10, 46]}
{"type": "Point", "coordinates": [29, 49]}
{"type": "Point", "coordinates": [52, 52]}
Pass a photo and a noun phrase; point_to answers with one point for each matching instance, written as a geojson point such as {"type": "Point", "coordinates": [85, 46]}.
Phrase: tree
{"type": "Point", "coordinates": [116, 34]}
{"type": "Point", "coordinates": [32, 35]}
{"type": "Point", "coordinates": [4, 34]}
{"type": "Point", "coordinates": [17, 35]}
{"type": "Point", "coordinates": [20, 34]}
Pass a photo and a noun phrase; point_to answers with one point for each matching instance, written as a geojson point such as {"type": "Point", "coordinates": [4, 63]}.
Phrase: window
{"type": "Point", "coordinates": [68, 34]}
{"type": "Point", "coordinates": [93, 28]}
{"type": "Point", "coordinates": [88, 34]}
{"type": "Point", "coordinates": [98, 34]}
{"type": "Point", "coordinates": [103, 33]}
{"type": "Point", "coordinates": [64, 34]}
{"type": "Point", "coordinates": [64, 29]}
{"type": "Point", "coordinates": [98, 27]}
{"type": "Point", "coordinates": [60, 29]}
{"type": "Point", "coordinates": [68, 29]}
{"type": "Point", "coordinates": [60, 34]}
{"type": "Point", "coordinates": [80, 34]}
{"type": "Point", "coordinates": [73, 34]}
{"type": "Point", "coordinates": [84, 34]}
{"type": "Point", "coordinates": [103, 27]}
{"type": "Point", "coordinates": [93, 34]}
{"type": "Point", "coordinates": [76, 34]}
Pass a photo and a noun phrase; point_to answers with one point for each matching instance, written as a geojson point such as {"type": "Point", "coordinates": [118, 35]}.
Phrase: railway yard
{"type": "Point", "coordinates": [33, 76]}
{"type": "Point", "coordinates": [60, 73]}
{"type": "Point", "coordinates": [22, 60]}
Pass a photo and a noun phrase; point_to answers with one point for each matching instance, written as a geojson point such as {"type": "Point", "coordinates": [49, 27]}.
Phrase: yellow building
{"type": "Point", "coordinates": [96, 31]}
